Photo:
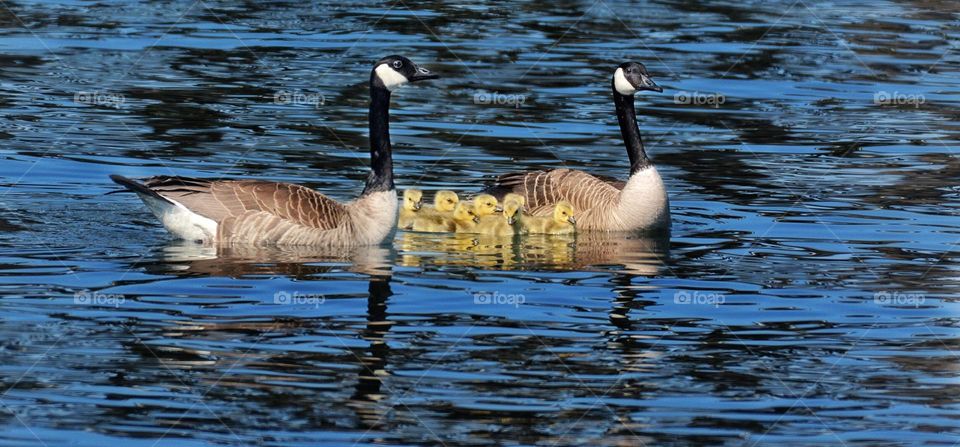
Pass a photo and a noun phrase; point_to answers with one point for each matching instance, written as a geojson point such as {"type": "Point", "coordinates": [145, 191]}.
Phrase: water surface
{"type": "Point", "coordinates": [807, 294]}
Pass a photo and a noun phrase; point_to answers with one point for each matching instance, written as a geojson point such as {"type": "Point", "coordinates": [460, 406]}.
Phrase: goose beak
{"type": "Point", "coordinates": [511, 220]}
{"type": "Point", "coordinates": [422, 74]}
{"type": "Point", "coordinates": [572, 220]}
{"type": "Point", "coordinates": [417, 206]}
{"type": "Point", "coordinates": [498, 208]}
{"type": "Point", "coordinates": [476, 219]}
{"type": "Point", "coordinates": [647, 84]}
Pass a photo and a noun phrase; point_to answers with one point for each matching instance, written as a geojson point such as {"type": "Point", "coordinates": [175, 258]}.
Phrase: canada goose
{"type": "Point", "coordinates": [485, 205]}
{"type": "Point", "coordinates": [260, 212]}
{"type": "Point", "coordinates": [640, 203]}
{"type": "Point", "coordinates": [560, 222]}
{"type": "Point", "coordinates": [439, 218]}
{"type": "Point", "coordinates": [412, 202]}
{"type": "Point", "coordinates": [500, 224]}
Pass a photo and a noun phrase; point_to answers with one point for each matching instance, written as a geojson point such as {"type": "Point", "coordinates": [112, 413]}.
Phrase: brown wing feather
{"type": "Point", "coordinates": [251, 199]}
{"type": "Point", "coordinates": [543, 189]}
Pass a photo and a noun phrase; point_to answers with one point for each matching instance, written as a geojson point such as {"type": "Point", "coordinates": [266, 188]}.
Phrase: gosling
{"type": "Point", "coordinates": [436, 219]}
{"type": "Point", "coordinates": [412, 202]}
{"type": "Point", "coordinates": [562, 221]}
{"type": "Point", "coordinates": [465, 218]}
{"type": "Point", "coordinates": [485, 205]}
{"type": "Point", "coordinates": [501, 225]}
{"type": "Point", "coordinates": [443, 203]}
{"type": "Point", "coordinates": [517, 197]}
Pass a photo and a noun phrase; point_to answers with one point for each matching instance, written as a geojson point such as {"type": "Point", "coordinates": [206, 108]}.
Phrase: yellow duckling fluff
{"type": "Point", "coordinates": [445, 201]}
{"type": "Point", "coordinates": [485, 205]}
{"type": "Point", "coordinates": [465, 218]}
{"type": "Point", "coordinates": [412, 202]}
{"type": "Point", "coordinates": [561, 222]}
{"type": "Point", "coordinates": [514, 196]}
{"type": "Point", "coordinates": [500, 224]}
{"type": "Point", "coordinates": [439, 217]}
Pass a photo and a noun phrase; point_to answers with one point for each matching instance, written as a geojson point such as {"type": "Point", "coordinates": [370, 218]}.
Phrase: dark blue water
{"type": "Point", "coordinates": [807, 294]}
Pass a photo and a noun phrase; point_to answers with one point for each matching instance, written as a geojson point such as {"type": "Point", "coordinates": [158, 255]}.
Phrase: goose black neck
{"type": "Point", "coordinates": [381, 154]}
{"type": "Point", "coordinates": [627, 117]}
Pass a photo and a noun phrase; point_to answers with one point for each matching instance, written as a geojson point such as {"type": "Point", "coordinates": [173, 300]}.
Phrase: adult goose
{"type": "Point", "coordinates": [602, 204]}
{"type": "Point", "coordinates": [261, 212]}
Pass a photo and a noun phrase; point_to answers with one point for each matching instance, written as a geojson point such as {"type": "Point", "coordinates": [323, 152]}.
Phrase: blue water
{"type": "Point", "coordinates": [807, 294]}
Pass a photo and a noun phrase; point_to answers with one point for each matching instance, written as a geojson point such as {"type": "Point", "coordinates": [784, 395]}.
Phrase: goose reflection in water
{"type": "Point", "coordinates": [267, 371]}
{"type": "Point", "coordinates": [275, 376]}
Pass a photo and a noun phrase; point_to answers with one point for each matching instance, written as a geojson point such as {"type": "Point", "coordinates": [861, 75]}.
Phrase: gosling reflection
{"type": "Point", "coordinates": [636, 255]}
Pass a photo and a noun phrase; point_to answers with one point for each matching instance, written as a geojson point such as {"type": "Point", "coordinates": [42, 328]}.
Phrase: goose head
{"type": "Point", "coordinates": [393, 71]}
{"type": "Point", "coordinates": [511, 209]}
{"type": "Point", "coordinates": [445, 200]}
{"type": "Point", "coordinates": [563, 213]}
{"type": "Point", "coordinates": [631, 77]}
{"type": "Point", "coordinates": [412, 199]}
{"type": "Point", "coordinates": [485, 204]}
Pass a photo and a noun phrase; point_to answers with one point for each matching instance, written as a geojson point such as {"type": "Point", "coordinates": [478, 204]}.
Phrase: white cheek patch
{"type": "Point", "coordinates": [620, 82]}
{"type": "Point", "coordinates": [390, 77]}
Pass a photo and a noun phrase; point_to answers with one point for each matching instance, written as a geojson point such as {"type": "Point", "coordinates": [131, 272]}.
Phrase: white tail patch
{"type": "Point", "coordinates": [180, 221]}
{"type": "Point", "coordinates": [391, 78]}
{"type": "Point", "coordinates": [620, 82]}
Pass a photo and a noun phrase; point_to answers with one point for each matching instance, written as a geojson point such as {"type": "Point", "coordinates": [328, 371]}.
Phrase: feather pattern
{"type": "Point", "coordinates": [260, 212]}
{"type": "Point", "coordinates": [599, 203]}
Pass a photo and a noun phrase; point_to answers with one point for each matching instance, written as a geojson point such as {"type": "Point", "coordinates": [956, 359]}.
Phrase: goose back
{"type": "Point", "coordinates": [259, 212]}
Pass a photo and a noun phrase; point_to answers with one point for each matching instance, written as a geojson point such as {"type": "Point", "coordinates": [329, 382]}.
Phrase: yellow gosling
{"type": "Point", "coordinates": [517, 197]}
{"type": "Point", "coordinates": [443, 203]}
{"type": "Point", "coordinates": [465, 218]}
{"type": "Point", "coordinates": [500, 224]}
{"type": "Point", "coordinates": [412, 201]}
{"type": "Point", "coordinates": [561, 222]}
{"type": "Point", "coordinates": [485, 205]}
{"type": "Point", "coordinates": [439, 217]}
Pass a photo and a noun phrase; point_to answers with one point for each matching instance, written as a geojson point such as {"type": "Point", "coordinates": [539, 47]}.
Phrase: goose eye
{"type": "Point", "coordinates": [397, 64]}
